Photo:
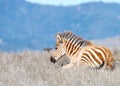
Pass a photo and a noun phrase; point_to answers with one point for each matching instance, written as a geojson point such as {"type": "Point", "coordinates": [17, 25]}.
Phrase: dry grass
{"type": "Point", "coordinates": [33, 68]}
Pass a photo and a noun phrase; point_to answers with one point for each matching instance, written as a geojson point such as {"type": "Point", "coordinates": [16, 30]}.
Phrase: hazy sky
{"type": "Point", "coordinates": [68, 2]}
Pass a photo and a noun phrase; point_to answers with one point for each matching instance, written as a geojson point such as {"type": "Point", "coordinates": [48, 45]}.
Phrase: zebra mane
{"type": "Point", "coordinates": [69, 35]}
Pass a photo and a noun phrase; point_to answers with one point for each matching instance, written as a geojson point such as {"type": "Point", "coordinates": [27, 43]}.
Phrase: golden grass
{"type": "Point", "coordinates": [33, 68]}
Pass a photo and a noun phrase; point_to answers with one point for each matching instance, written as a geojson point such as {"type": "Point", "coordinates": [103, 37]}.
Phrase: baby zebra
{"type": "Point", "coordinates": [81, 52]}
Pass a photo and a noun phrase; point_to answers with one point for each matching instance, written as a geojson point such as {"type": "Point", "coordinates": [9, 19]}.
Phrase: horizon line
{"type": "Point", "coordinates": [72, 4]}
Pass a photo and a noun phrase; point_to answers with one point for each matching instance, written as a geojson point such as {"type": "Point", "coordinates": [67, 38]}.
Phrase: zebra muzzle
{"type": "Point", "coordinates": [52, 59]}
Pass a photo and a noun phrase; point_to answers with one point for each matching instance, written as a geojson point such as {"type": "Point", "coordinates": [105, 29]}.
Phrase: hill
{"type": "Point", "coordinates": [112, 42]}
{"type": "Point", "coordinates": [25, 25]}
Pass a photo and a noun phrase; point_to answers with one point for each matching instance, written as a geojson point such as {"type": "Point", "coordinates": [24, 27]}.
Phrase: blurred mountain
{"type": "Point", "coordinates": [24, 25]}
{"type": "Point", "coordinates": [112, 42]}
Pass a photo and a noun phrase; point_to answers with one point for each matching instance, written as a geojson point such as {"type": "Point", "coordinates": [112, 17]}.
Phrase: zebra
{"type": "Point", "coordinates": [81, 52]}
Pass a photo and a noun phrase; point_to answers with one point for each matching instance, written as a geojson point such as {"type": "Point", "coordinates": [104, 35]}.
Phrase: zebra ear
{"type": "Point", "coordinates": [58, 37]}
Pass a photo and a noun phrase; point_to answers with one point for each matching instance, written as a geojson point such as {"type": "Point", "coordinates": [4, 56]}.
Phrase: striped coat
{"type": "Point", "coordinates": [81, 52]}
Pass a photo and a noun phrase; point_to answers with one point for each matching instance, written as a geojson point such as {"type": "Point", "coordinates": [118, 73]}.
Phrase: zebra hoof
{"type": "Point", "coordinates": [52, 59]}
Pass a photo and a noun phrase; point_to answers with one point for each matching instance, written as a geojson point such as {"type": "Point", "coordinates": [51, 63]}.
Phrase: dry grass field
{"type": "Point", "coordinates": [33, 68]}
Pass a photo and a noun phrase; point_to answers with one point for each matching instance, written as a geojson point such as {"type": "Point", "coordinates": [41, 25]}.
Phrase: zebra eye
{"type": "Point", "coordinates": [56, 48]}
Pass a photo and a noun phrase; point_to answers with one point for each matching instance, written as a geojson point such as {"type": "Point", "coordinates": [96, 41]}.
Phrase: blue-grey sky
{"type": "Point", "coordinates": [68, 2]}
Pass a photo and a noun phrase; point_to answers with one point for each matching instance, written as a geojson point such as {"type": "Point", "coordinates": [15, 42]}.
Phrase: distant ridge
{"type": "Point", "coordinates": [25, 25]}
{"type": "Point", "coordinates": [113, 42]}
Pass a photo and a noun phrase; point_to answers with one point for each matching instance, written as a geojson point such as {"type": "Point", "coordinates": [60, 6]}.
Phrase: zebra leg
{"type": "Point", "coordinates": [67, 66]}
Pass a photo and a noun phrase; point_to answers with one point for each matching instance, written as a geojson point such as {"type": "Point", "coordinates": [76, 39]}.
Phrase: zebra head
{"type": "Point", "coordinates": [59, 50]}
